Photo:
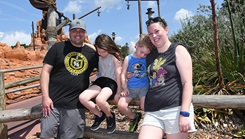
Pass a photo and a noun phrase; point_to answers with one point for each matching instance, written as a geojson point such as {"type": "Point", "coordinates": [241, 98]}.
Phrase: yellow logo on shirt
{"type": "Point", "coordinates": [76, 63]}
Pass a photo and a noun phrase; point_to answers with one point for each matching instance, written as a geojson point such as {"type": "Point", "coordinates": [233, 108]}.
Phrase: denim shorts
{"type": "Point", "coordinates": [138, 92]}
{"type": "Point", "coordinates": [167, 120]}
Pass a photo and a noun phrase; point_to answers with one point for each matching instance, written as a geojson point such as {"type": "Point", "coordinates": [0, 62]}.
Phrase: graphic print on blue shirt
{"type": "Point", "coordinates": [138, 69]}
{"type": "Point", "coordinates": [157, 72]}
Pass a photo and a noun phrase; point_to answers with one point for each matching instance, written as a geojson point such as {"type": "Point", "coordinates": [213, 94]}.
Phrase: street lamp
{"type": "Point", "coordinates": [127, 49]}
{"type": "Point", "coordinates": [149, 12]}
{"type": "Point", "coordinates": [113, 35]}
{"type": "Point", "coordinates": [139, 10]}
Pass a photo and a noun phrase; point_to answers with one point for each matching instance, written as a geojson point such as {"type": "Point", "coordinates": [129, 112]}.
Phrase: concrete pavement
{"type": "Point", "coordinates": [24, 129]}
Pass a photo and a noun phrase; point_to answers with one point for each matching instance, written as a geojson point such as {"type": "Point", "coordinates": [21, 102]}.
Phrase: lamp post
{"type": "Point", "coordinates": [127, 49]}
{"type": "Point", "coordinates": [139, 10]}
{"type": "Point", "coordinates": [113, 35]}
{"type": "Point", "coordinates": [149, 12]}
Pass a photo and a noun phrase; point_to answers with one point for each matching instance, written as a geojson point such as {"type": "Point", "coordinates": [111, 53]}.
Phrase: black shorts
{"type": "Point", "coordinates": [107, 82]}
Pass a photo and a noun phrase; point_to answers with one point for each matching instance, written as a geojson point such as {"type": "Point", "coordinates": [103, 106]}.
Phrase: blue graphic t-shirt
{"type": "Point", "coordinates": [137, 66]}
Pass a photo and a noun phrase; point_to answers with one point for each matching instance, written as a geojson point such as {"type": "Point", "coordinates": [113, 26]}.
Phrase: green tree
{"type": "Point", "coordinates": [197, 34]}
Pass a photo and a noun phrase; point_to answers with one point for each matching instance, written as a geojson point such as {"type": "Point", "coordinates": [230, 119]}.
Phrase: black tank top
{"type": "Point", "coordinates": [165, 84]}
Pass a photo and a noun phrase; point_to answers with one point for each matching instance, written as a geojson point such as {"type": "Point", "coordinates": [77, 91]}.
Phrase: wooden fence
{"type": "Point", "coordinates": [209, 101]}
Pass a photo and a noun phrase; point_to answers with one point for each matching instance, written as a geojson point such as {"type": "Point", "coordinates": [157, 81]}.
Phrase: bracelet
{"type": "Point", "coordinates": [184, 113]}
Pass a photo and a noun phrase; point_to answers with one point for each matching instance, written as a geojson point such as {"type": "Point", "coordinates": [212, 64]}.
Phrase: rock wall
{"type": "Point", "coordinates": [19, 57]}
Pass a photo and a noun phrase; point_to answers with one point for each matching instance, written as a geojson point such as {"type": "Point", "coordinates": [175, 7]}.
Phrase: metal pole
{"type": "Point", "coordinates": [140, 18]}
{"type": "Point", "coordinates": [89, 12]}
{"type": "Point", "coordinates": [158, 7]}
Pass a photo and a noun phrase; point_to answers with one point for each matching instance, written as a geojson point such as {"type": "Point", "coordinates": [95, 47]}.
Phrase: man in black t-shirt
{"type": "Point", "coordinates": [65, 74]}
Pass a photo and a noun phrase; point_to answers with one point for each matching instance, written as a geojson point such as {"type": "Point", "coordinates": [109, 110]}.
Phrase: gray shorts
{"type": "Point", "coordinates": [138, 92]}
{"type": "Point", "coordinates": [63, 124]}
{"type": "Point", "coordinates": [167, 120]}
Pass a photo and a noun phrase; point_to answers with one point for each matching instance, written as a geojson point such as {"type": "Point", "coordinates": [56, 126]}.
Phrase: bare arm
{"type": "Point", "coordinates": [124, 77]}
{"type": "Point", "coordinates": [184, 65]}
{"type": "Point", "coordinates": [118, 69]}
{"type": "Point", "coordinates": [47, 103]}
{"type": "Point", "coordinates": [91, 46]}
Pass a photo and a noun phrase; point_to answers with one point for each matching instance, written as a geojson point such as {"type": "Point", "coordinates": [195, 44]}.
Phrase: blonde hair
{"type": "Point", "coordinates": [145, 41]}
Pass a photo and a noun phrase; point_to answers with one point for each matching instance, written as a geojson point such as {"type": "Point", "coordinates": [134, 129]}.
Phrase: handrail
{"type": "Point", "coordinates": [23, 88]}
{"type": "Point", "coordinates": [19, 69]}
{"type": "Point", "coordinates": [3, 127]}
{"type": "Point", "coordinates": [20, 82]}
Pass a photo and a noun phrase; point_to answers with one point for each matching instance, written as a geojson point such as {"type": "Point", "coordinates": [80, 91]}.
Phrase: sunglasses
{"type": "Point", "coordinates": [155, 20]}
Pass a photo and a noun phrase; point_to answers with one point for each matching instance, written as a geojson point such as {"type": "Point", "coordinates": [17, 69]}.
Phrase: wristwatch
{"type": "Point", "coordinates": [184, 113]}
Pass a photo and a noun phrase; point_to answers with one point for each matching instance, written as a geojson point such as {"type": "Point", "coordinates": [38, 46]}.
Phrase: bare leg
{"type": "Point", "coordinates": [86, 99]}
{"type": "Point", "coordinates": [101, 101]}
{"type": "Point", "coordinates": [177, 136]}
{"type": "Point", "coordinates": [123, 107]}
{"type": "Point", "coordinates": [147, 132]}
{"type": "Point", "coordinates": [142, 102]}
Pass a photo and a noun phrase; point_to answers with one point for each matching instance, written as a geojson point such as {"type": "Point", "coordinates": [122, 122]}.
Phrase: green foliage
{"type": "Point", "coordinates": [124, 51]}
{"type": "Point", "coordinates": [24, 45]}
{"type": "Point", "coordinates": [197, 34]}
{"type": "Point", "coordinates": [240, 133]}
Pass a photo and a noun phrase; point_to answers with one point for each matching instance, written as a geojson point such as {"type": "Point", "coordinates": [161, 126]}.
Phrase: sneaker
{"type": "Point", "coordinates": [97, 122]}
{"type": "Point", "coordinates": [111, 123]}
{"type": "Point", "coordinates": [134, 123]}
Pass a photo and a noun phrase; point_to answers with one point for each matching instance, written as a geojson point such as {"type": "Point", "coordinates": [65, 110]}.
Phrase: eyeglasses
{"type": "Point", "coordinates": [155, 20]}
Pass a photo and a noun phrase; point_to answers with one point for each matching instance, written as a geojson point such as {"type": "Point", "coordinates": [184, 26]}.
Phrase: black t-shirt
{"type": "Point", "coordinates": [72, 67]}
{"type": "Point", "coordinates": [165, 84]}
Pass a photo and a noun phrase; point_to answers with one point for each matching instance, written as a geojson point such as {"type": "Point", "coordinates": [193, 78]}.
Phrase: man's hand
{"type": "Point", "coordinates": [47, 105]}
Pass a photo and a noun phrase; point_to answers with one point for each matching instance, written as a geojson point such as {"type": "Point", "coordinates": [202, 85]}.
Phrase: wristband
{"type": "Point", "coordinates": [184, 113]}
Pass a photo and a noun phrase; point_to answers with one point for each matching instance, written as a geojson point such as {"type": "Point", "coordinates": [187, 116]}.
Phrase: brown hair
{"type": "Point", "coordinates": [158, 19]}
{"type": "Point", "coordinates": [145, 41]}
{"type": "Point", "coordinates": [105, 42]}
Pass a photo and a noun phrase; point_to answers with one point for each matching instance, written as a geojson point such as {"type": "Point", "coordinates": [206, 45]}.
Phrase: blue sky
{"type": "Point", "coordinates": [16, 17]}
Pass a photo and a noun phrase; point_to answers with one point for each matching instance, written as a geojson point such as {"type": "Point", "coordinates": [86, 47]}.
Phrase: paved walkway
{"type": "Point", "coordinates": [24, 129]}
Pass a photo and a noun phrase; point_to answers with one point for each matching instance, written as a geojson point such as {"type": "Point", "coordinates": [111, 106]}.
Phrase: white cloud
{"type": "Point", "coordinates": [12, 38]}
{"type": "Point", "coordinates": [118, 39]}
{"type": "Point", "coordinates": [131, 47]}
{"type": "Point", "coordinates": [1, 35]}
{"type": "Point", "coordinates": [73, 7]}
{"type": "Point", "coordinates": [93, 36]}
{"type": "Point", "coordinates": [107, 3]}
{"type": "Point", "coordinates": [151, 4]}
{"type": "Point", "coordinates": [182, 14]}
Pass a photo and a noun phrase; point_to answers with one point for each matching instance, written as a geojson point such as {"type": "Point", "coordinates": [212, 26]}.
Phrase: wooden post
{"type": "Point", "coordinates": [3, 127]}
{"type": "Point", "coordinates": [51, 32]}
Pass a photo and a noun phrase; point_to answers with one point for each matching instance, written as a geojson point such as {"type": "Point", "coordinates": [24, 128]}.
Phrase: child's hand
{"type": "Point", "coordinates": [124, 93]}
{"type": "Point", "coordinates": [129, 75]}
